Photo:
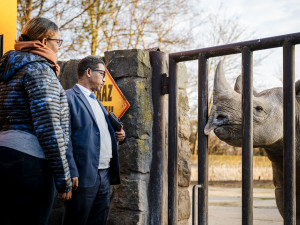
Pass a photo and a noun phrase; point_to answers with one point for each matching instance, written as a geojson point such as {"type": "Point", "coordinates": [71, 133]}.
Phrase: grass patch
{"type": "Point", "coordinates": [232, 204]}
{"type": "Point", "coordinates": [265, 198]}
{"type": "Point", "coordinates": [232, 160]}
{"type": "Point", "coordinates": [238, 184]}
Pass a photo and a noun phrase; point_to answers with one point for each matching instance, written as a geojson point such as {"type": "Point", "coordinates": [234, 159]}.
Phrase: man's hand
{"type": "Point", "coordinates": [120, 135]}
{"type": "Point", "coordinates": [64, 196]}
{"type": "Point", "coordinates": [74, 183]}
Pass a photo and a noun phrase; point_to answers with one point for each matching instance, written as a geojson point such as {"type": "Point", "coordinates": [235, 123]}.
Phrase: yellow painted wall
{"type": "Point", "coordinates": [8, 23]}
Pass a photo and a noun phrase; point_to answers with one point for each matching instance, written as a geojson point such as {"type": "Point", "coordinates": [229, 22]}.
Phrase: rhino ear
{"type": "Point", "coordinates": [238, 87]}
{"type": "Point", "coordinates": [297, 87]}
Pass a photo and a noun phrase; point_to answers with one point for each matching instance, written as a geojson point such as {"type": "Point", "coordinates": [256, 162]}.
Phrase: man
{"type": "Point", "coordinates": [92, 154]}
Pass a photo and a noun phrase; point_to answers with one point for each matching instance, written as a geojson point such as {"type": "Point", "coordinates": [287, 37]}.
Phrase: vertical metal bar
{"type": "Point", "coordinates": [1, 45]}
{"type": "Point", "coordinates": [202, 140]}
{"type": "Point", "coordinates": [247, 146]}
{"type": "Point", "coordinates": [172, 145]}
{"type": "Point", "coordinates": [159, 66]}
{"type": "Point", "coordinates": [194, 205]}
{"type": "Point", "coordinates": [289, 133]}
{"type": "Point", "coordinates": [195, 187]}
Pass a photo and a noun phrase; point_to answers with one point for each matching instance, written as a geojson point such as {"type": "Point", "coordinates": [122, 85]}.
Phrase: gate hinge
{"type": "Point", "coordinates": [164, 84]}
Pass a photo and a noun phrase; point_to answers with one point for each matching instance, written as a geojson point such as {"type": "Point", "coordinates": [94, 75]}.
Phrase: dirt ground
{"type": "Point", "coordinates": [225, 202]}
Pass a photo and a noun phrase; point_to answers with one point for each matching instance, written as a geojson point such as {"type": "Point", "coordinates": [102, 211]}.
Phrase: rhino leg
{"type": "Point", "coordinates": [279, 199]}
{"type": "Point", "coordinates": [279, 195]}
{"type": "Point", "coordinates": [278, 183]}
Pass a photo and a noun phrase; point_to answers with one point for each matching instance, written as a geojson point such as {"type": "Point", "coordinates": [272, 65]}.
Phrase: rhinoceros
{"type": "Point", "coordinates": [225, 120]}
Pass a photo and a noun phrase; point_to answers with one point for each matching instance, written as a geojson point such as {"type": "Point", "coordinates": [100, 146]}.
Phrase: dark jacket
{"type": "Point", "coordinates": [83, 154]}
{"type": "Point", "coordinates": [32, 100]}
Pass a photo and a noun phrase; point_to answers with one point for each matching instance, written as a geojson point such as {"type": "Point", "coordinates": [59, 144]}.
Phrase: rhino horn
{"type": "Point", "coordinates": [220, 83]}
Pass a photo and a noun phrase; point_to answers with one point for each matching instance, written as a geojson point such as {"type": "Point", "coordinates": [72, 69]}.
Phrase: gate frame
{"type": "Point", "coordinates": [287, 42]}
{"type": "Point", "coordinates": [1, 45]}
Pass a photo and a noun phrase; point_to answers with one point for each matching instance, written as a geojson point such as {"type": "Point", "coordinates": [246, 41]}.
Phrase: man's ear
{"type": "Point", "coordinates": [44, 41]}
{"type": "Point", "coordinates": [88, 72]}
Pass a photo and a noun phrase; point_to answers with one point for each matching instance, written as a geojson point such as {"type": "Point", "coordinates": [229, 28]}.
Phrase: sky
{"type": "Point", "coordinates": [266, 18]}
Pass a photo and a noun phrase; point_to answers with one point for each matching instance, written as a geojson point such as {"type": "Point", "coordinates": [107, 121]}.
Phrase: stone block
{"type": "Point", "coordinates": [135, 156]}
{"type": "Point", "coordinates": [131, 195]}
{"type": "Point", "coordinates": [184, 127]}
{"type": "Point", "coordinates": [184, 204]}
{"type": "Point", "coordinates": [183, 102]}
{"type": "Point", "coordinates": [138, 118]}
{"type": "Point", "coordinates": [68, 73]}
{"type": "Point", "coordinates": [184, 149]}
{"type": "Point", "coordinates": [128, 63]}
{"type": "Point", "coordinates": [126, 217]}
{"type": "Point", "coordinates": [182, 76]}
{"type": "Point", "coordinates": [184, 173]}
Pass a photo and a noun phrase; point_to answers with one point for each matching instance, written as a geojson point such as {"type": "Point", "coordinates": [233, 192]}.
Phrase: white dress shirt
{"type": "Point", "coordinates": [105, 138]}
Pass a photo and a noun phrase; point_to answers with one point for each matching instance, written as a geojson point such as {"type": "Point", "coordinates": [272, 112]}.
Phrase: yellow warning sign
{"type": "Point", "coordinates": [111, 96]}
{"type": "Point", "coordinates": [8, 23]}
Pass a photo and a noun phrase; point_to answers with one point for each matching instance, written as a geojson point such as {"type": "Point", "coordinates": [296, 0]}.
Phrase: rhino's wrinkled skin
{"type": "Point", "coordinates": [226, 121]}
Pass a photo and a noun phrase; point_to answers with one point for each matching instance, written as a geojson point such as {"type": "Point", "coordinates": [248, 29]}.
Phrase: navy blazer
{"type": "Point", "coordinates": [84, 148]}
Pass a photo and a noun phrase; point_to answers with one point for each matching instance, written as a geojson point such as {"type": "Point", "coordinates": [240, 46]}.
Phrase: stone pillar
{"type": "Point", "coordinates": [68, 73]}
{"type": "Point", "coordinates": [132, 72]}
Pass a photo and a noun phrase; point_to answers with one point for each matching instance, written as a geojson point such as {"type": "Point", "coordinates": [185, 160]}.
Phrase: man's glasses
{"type": "Point", "coordinates": [58, 41]}
{"type": "Point", "coordinates": [102, 72]}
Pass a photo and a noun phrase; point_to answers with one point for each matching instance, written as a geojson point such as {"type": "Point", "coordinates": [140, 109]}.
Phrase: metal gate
{"type": "Point", "coordinates": [287, 42]}
{"type": "Point", "coordinates": [1, 45]}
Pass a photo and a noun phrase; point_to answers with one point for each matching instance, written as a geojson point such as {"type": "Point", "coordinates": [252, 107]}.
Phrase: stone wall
{"type": "Point", "coordinates": [132, 72]}
{"type": "Point", "coordinates": [130, 201]}
{"type": "Point", "coordinates": [184, 166]}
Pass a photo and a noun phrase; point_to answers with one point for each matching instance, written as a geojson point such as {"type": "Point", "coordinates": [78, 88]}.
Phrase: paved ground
{"type": "Point", "coordinates": [225, 206]}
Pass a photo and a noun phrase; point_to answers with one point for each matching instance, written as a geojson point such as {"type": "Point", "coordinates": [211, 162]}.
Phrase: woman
{"type": "Point", "coordinates": [33, 127]}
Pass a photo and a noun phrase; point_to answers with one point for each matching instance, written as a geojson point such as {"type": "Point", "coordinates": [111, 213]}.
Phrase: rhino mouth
{"type": "Point", "coordinates": [230, 133]}
{"type": "Point", "coordinates": [228, 130]}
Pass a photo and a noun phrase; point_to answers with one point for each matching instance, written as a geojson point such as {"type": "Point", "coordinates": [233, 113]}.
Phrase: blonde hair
{"type": "Point", "coordinates": [38, 28]}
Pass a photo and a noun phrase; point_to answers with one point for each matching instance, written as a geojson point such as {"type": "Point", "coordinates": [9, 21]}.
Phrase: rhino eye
{"type": "Point", "coordinates": [259, 108]}
{"type": "Point", "coordinates": [221, 117]}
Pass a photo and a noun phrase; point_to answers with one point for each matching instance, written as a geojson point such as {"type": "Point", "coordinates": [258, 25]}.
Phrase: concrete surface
{"type": "Point", "coordinates": [225, 206]}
